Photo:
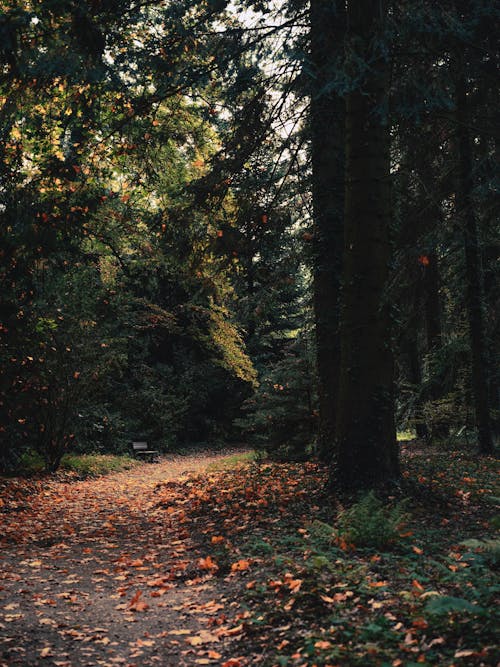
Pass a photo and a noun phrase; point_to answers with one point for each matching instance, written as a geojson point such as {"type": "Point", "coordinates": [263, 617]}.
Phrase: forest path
{"type": "Point", "coordinates": [99, 572]}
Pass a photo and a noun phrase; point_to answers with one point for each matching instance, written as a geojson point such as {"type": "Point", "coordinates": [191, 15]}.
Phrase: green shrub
{"type": "Point", "coordinates": [370, 523]}
{"type": "Point", "coordinates": [488, 550]}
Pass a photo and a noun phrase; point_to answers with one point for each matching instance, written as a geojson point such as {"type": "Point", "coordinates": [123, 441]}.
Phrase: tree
{"type": "Point", "coordinates": [366, 440]}
{"type": "Point", "coordinates": [327, 119]}
{"type": "Point", "coordinates": [473, 271]}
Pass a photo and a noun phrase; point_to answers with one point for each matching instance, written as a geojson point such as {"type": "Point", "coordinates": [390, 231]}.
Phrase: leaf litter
{"type": "Point", "coordinates": [158, 566]}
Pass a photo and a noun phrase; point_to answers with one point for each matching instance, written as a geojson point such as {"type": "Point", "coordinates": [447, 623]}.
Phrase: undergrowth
{"type": "Point", "coordinates": [383, 583]}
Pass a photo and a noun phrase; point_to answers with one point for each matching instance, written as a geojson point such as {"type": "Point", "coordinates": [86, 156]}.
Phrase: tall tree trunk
{"type": "Point", "coordinates": [415, 377]}
{"type": "Point", "coordinates": [327, 156]}
{"type": "Point", "coordinates": [433, 326]}
{"type": "Point", "coordinates": [367, 453]}
{"type": "Point", "coordinates": [473, 272]}
{"type": "Point", "coordinates": [432, 302]}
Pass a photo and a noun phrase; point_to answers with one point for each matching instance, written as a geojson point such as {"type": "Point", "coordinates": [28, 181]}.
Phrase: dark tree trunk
{"type": "Point", "coordinates": [473, 273]}
{"type": "Point", "coordinates": [327, 156]}
{"type": "Point", "coordinates": [433, 326]}
{"type": "Point", "coordinates": [432, 302]}
{"type": "Point", "coordinates": [415, 377]}
{"type": "Point", "coordinates": [367, 453]}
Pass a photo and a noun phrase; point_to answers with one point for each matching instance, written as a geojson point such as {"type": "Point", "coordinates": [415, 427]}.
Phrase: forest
{"type": "Point", "coordinates": [267, 234]}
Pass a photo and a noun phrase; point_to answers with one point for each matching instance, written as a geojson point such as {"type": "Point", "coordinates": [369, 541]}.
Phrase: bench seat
{"type": "Point", "coordinates": [140, 449]}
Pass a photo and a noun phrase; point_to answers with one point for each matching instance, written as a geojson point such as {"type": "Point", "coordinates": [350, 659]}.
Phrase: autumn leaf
{"type": "Point", "coordinates": [213, 655]}
{"type": "Point", "coordinates": [240, 566]}
{"type": "Point", "coordinates": [136, 604]}
{"type": "Point", "coordinates": [207, 564]}
{"type": "Point", "coordinates": [417, 586]}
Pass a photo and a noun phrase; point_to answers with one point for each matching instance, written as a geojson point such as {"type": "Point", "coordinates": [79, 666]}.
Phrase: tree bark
{"type": "Point", "coordinates": [432, 302]}
{"type": "Point", "coordinates": [367, 454]}
{"type": "Point", "coordinates": [327, 32]}
{"type": "Point", "coordinates": [473, 272]}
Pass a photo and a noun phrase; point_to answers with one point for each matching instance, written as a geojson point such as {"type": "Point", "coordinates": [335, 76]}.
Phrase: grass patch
{"type": "Point", "coordinates": [234, 461]}
{"type": "Point", "coordinates": [95, 465]}
{"type": "Point", "coordinates": [83, 465]}
{"type": "Point", "coordinates": [404, 436]}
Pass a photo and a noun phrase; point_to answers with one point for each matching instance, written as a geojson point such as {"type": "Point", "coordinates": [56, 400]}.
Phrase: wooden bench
{"type": "Point", "coordinates": [140, 450]}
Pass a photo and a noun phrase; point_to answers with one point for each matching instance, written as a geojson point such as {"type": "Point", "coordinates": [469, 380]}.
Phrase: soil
{"type": "Point", "coordinates": [95, 572]}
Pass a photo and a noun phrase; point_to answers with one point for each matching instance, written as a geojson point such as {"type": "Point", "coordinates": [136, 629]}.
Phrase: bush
{"type": "Point", "coordinates": [370, 523]}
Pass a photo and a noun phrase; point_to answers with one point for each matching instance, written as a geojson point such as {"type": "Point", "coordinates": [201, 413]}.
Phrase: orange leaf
{"type": "Point", "coordinates": [240, 565]}
{"type": "Point", "coordinates": [327, 599]}
{"type": "Point", "coordinates": [294, 584]}
{"type": "Point", "coordinates": [207, 563]}
{"type": "Point", "coordinates": [213, 655]}
{"type": "Point", "coordinates": [136, 604]}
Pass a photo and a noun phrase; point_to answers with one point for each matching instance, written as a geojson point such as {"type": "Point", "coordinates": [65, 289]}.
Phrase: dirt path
{"type": "Point", "coordinates": [95, 572]}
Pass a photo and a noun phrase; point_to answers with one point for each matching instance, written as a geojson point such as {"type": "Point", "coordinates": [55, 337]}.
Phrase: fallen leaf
{"type": "Point", "coordinates": [240, 566]}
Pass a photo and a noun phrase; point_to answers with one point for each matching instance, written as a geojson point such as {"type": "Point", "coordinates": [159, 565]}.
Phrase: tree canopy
{"type": "Point", "coordinates": [248, 220]}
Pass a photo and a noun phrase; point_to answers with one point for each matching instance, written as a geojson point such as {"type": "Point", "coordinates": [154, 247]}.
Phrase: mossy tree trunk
{"type": "Point", "coordinates": [367, 454]}
{"type": "Point", "coordinates": [327, 32]}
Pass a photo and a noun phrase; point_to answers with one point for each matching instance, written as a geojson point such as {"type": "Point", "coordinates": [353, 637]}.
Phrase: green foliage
{"type": "Point", "coordinates": [84, 465]}
{"type": "Point", "coordinates": [371, 523]}
{"type": "Point", "coordinates": [117, 313]}
{"type": "Point", "coordinates": [487, 550]}
{"type": "Point", "coordinates": [234, 461]}
{"type": "Point", "coordinates": [281, 417]}
{"type": "Point", "coordinates": [441, 605]}
{"type": "Point", "coordinates": [95, 465]}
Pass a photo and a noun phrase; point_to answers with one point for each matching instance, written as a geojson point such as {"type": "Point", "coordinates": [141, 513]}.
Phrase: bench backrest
{"type": "Point", "coordinates": [139, 446]}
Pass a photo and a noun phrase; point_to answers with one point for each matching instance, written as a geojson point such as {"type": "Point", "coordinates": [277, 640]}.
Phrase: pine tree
{"type": "Point", "coordinates": [366, 452]}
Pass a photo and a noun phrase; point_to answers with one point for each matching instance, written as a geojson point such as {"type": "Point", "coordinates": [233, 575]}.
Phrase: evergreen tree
{"type": "Point", "coordinates": [367, 452]}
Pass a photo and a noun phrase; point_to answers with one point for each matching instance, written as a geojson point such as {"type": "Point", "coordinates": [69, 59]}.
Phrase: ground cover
{"type": "Point", "coordinates": [194, 561]}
